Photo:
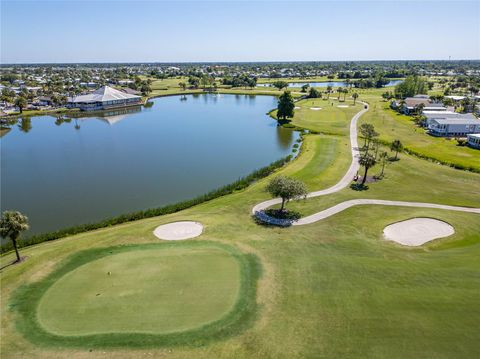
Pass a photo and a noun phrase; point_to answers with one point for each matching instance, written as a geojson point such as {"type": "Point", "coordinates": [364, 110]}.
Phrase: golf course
{"type": "Point", "coordinates": [330, 287]}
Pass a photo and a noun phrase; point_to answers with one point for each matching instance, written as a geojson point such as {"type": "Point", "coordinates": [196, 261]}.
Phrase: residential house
{"type": "Point", "coordinates": [473, 140]}
{"type": "Point", "coordinates": [448, 127]}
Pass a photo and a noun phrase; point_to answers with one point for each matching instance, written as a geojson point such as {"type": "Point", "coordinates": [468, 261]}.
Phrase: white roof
{"type": "Point", "coordinates": [475, 135]}
{"type": "Point", "coordinates": [456, 98]}
{"type": "Point", "coordinates": [431, 112]}
{"type": "Point", "coordinates": [103, 94]}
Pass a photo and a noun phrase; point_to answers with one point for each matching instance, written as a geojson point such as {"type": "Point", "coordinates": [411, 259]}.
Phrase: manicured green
{"type": "Point", "coordinates": [333, 289]}
{"type": "Point", "coordinates": [331, 119]}
{"type": "Point", "coordinates": [141, 295]}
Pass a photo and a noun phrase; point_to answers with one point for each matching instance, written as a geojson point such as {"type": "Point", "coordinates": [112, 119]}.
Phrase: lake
{"type": "Point", "coordinates": [61, 173]}
{"type": "Point", "coordinates": [326, 84]}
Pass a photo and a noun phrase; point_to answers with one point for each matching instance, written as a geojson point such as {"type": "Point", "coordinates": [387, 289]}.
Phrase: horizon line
{"type": "Point", "coordinates": [232, 62]}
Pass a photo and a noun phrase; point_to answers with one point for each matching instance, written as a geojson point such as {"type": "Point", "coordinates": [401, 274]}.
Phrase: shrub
{"type": "Point", "coordinates": [239, 184]}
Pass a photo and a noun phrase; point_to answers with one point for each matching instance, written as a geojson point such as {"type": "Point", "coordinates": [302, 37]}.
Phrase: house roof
{"type": "Point", "coordinates": [474, 135]}
{"type": "Point", "coordinates": [455, 97]}
{"type": "Point", "coordinates": [450, 121]}
{"type": "Point", "coordinates": [103, 94]}
{"type": "Point", "coordinates": [414, 101]}
{"type": "Point", "coordinates": [454, 116]}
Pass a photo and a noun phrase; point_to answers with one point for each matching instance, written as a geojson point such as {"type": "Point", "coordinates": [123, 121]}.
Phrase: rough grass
{"type": "Point", "coordinates": [155, 295]}
{"type": "Point", "coordinates": [331, 289]}
{"type": "Point", "coordinates": [392, 125]}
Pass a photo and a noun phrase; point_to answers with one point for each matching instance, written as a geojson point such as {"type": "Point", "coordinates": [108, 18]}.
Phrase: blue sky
{"type": "Point", "coordinates": [181, 31]}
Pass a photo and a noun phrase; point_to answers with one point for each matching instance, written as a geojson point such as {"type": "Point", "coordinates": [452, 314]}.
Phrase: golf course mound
{"type": "Point", "coordinates": [142, 295]}
{"type": "Point", "coordinates": [178, 230]}
{"type": "Point", "coordinates": [417, 231]}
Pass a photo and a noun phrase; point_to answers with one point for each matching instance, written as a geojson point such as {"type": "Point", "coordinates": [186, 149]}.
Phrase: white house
{"type": "Point", "coordinates": [474, 140]}
{"type": "Point", "coordinates": [102, 99]}
{"type": "Point", "coordinates": [453, 127]}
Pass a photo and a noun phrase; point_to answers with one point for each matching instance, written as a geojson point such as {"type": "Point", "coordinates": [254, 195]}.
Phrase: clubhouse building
{"type": "Point", "coordinates": [103, 99]}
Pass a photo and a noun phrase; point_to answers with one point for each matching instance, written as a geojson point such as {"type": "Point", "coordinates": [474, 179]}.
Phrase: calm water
{"type": "Point", "coordinates": [61, 174]}
{"type": "Point", "coordinates": [326, 84]}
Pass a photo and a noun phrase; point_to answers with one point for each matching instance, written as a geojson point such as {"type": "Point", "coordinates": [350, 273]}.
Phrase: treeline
{"type": "Point", "coordinates": [238, 185]}
{"type": "Point", "coordinates": [364, 75]}
{"type": "Point", "coordinates": [413, 85]}
{"type": "Point", "coordinates": [240, 81]}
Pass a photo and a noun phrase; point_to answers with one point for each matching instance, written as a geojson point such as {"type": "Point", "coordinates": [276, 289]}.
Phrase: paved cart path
{"type": "Point", "coordinates": [345, 182]}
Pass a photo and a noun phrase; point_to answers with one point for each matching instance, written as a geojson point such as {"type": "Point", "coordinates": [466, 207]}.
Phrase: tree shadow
{"type": "Point", "coordinates": [22, 259]}
{"type": "Point", "coordinates": [358, 187]}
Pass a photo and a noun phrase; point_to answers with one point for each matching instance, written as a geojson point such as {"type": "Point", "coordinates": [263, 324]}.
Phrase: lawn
{"type": "Point", "coordinates": [334, 288]}
{"type": "Point", "coordinates": [392, 125]}
{"type": "Point", "coordinates": [325, 116]}
{"type": "Point", "coordinates": [188, 293]}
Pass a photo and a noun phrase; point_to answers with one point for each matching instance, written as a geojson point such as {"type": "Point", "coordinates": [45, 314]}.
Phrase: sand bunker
{"type": "Point", "coordinates": [417, 231]}
{"type": "Point", "coordinates": [297, 108]}
{"type": "Point", "coordinates": [315, 108]}
{"type": "Point", "coordinates": [343, 106]}
{"type": "Point", "coordinates": [178, 230]}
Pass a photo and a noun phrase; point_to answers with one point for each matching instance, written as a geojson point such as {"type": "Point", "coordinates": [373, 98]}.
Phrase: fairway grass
{"type": "Point", "coordinates": [331, 289]}
{"type": "Point", "coordinates": [141, 295]}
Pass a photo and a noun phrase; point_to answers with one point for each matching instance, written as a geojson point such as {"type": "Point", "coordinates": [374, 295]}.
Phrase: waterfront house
{"type": "Point", "coordinates": [102, 99]}
{"type": "Point", "coordinates": [473, 140]}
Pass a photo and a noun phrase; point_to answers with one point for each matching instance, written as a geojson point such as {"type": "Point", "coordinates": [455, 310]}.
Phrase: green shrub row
{"type": "Point", "coordinates": [239, 184]}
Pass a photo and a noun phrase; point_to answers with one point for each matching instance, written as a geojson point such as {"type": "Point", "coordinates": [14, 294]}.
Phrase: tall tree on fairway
{"type": "Point", "coordinates": [355, 96]}
{"type": "Point", "coordinates": [368, 133]}
{"type": "Point", "coordinates": [287, 189]}
{"type": "Point", "coordinates": [367, 161]}
{"type": "Point", "coordinates": [396, 146]}
{"type": "Point", "coordinates": [383, 161]}
{"type": "Point", "coordinates": [285, 106]}
{"type": "Point", "coordinates": [11, 225]}
{"type": "Point", "coordinates": [329, 90]}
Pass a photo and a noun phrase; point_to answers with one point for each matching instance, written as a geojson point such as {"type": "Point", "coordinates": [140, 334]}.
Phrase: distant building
{"type": "Point", "coordinates": [474, 140]}
{"type": "Point", "coordinates": [449, 127]}
{"type": "Point", "coordinates": [409, 105]}
{"type": "Point", "coordinates": [102, 99]}
{"type": "Point", "coordinates": [45, 101]}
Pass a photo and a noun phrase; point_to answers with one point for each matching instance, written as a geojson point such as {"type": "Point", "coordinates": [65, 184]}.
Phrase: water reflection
{"type": "Point", "coordinates": [80, 168]}
{"type": "Point", "coordinates": [25, 124]}
{"type": "Point", "coordinates": [284, 137]}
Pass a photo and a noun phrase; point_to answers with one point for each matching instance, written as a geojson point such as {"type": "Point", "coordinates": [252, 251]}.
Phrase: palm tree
{"type": "Point", "coordinates": [367, 161]}
{"type": "Point", "coordinates": [355, 96]}
{"type": "Point", "coordinates": [11, 225]}
{"type": "Point", "coordinates": [383, 161]}
{"type": "Point", "coordinates": [329, 89]}
{"type": "Point", "coordinates": [345, 91]}
{"type": "Point", "coordinates": [396, 146]}
{"type": "Point", "coordinates": [339, 91]}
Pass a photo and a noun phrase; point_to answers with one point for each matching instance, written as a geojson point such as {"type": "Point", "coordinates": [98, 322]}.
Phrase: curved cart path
{"type": "Point", "coordinates": [345, 182]}
{"type": "Point", "coordinates": [357, 202]}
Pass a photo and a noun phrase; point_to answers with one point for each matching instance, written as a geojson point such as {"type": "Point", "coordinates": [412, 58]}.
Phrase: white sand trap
{"type": "Point", "coordinates": [315, 108]}
{"type": "Point", "coordinates": [342, 106]}
{"type": "Point", "coordinates": [417, 231]}
{"type": "Point", "coordinates": [297, 108]}
{"type": "Point", "coordinates": [178, 230]}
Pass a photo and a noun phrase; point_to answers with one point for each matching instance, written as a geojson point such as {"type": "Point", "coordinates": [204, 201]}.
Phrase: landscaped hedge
{"type": "Point", "coordinates": [239, 184]}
